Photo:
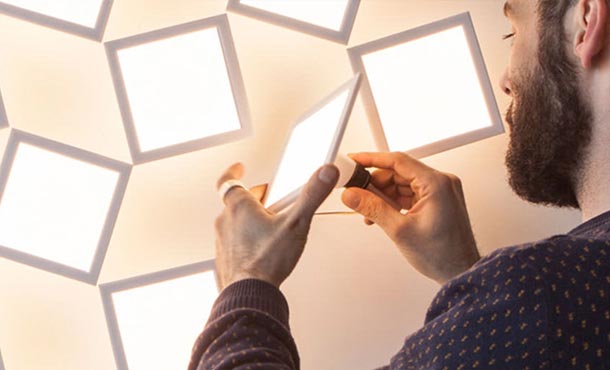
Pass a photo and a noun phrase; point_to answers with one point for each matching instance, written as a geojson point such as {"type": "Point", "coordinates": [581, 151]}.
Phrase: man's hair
{"type": "Point", "coordinates": [553, 10]}
{"type": "Point", "coordinates": [551, 15]}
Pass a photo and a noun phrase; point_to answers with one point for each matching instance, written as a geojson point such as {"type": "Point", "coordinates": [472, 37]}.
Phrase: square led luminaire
{"type": "Point", "coordinates": [180, 89]}
{"type": "Point", "coordinates": [86, 18]}
{"type": "Point", "coordinates": [329, 19]}
{"type": "Point", "coordinates": [427, 90]}
{"type": "Point", "coordinates": [154, 320]}
{"type": "Point", "coordinates": [313, 142]}
{"type": "Point", "coordinates": [58, 205]}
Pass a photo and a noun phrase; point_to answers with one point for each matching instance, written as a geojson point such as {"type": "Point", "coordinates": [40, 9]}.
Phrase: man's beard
{"type": "Point", "coordinates": [551, 129]}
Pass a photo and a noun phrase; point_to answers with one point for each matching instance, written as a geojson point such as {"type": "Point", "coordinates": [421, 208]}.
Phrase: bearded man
{"type": "Point", "coordinates": [543, 305]}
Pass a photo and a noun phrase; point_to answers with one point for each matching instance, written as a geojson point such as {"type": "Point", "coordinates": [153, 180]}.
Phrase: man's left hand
{"type": "Point", "coordinates": [252, 242]}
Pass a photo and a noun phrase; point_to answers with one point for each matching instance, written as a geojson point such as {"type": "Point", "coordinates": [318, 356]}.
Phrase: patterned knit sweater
{"type": "Point", "coordinates": [544, 305]}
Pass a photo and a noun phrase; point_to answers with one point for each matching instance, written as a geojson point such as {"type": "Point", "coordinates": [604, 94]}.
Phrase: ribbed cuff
{"type": "Point", "coordinates": [253, 294]}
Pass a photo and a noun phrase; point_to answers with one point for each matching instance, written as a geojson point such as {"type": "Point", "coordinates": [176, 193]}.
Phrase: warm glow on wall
{"type": "Point", "coordinates": [179, 89]}
{"type": "Point", "coordinates": [58, 205]}
{"type": "Point", "coordinates": [330, 19]}
{"type": "Point", "coordinates": [313, 142]}
{"type": "Point", "coordinates": [155, 319]}
{"type": "Point", "coordinates": [85, 18]}
{"type": "Point", "coordinates": [158, 106]}
{"type": "Point", "coordinates": [427, 89]}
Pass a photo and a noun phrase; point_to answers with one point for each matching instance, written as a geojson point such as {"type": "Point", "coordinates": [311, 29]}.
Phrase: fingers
{"type": "Point", "coordinates": [236, 194]}
{"type": "Point", "coordinates": [383, 178]}
{"type": "Point", "coordinates": [235, 172]}
{"type": "Point", "coordinates": [259, 191]}
{"type": "Point", "coordinates": [405, 166]}
{"type": "Point", "coordinates": [314, 193]}
{"type": "Point", "coordinates": [372, 207]}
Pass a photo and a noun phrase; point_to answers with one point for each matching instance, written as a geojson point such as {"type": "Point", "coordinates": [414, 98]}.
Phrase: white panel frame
{"type": "Point", "coordinates": [1, 362]}
{"type": "Point", "coordinates": [95, 34]}
{"type": "Point", "coordinates": [356, 53]}
{"type": "Point", "coordinates": [106, 291]}
{"type": "Point", "coordinates": [237, 86]}
{"type": "Point", "coordinates": [124, 170]}
{"type": "Point", "coordinates": [342, 36]}
{"type": "Point", "coordinates": [3, 116]}
{"type": "Point", "coordinates": [352, 86]}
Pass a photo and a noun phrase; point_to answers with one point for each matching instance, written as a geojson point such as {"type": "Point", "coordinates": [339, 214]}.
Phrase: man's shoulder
{"type": "Point", "coordinates": [535, 302]}
{"type": "Point", "coordinates": [534, 267]}
{"type": "Point", "coordinates": [559, 252]}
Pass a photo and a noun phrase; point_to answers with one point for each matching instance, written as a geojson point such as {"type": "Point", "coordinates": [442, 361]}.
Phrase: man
{"type": "Point", "coordinates": [535, 306]}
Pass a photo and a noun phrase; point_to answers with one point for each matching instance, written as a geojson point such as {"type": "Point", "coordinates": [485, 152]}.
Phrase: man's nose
{"type": "Point", "coordinates": [505, 83]}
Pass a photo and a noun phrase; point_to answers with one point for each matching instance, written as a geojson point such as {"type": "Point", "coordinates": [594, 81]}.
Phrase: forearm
{"type": "Point", "coordinates": [248, 326]}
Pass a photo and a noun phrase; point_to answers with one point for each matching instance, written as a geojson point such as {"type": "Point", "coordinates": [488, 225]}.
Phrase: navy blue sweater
{"type": "Point", "coordinates": [543, 305]}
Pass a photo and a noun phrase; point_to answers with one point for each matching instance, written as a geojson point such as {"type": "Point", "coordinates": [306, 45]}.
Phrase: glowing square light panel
{"type": "Point", "coordinates": [85, 18]}
{"type": "Point", "coordinates": [58, 205]}
{"type": "Point", "coordinates": [329, 19]}
{"type": "Point", "coordinates": [180, 89]}
{"type": "Point", "coordinates": [428, 88]}
{"type": "Point", "coordinates": [154, 320]}
{"type": "Point", "coordinates": [313, 142]}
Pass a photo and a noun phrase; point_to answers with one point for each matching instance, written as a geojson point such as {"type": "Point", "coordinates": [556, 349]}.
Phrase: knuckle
{"type": "Point", "coordinates": [372, 211]}
{"type": "Point", "coordinates": [444, 180]}
{"type": "Point", "coordinates": [398, 157]}
{"type": "Point", "coordinates": [454, 179]}
{"type": "Point", "coordinates": [456, 182]}
{"type": "Point", "coordinates": [238, 205]}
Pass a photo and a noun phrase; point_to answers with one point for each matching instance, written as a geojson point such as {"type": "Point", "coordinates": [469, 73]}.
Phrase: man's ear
{"type": "Point", "coordinates": [592, 24]}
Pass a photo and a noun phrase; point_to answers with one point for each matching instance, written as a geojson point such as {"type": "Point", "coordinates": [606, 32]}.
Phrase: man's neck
{"type": "Point", "coordinates": [593, 183]}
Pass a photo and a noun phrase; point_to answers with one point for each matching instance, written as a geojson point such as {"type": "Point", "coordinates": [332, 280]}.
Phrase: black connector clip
{"type": "Point", "coordinates": [360, 179]}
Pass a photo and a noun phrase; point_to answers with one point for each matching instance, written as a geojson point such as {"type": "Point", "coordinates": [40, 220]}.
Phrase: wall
{"type": "Point", "coordinates": [353, 298]}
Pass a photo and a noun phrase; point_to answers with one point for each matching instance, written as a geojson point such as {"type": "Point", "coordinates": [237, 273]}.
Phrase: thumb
{"type": "Point", "coordinates": [315, 192]}
{"type": "Point", "coordinates": [371, 206]}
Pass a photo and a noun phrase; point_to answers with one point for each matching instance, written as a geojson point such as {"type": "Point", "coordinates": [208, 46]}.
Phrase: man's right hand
{"type": "Point", "coordinates": [435, 235]}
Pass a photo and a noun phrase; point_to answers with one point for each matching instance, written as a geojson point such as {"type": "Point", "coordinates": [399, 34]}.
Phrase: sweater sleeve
{"type": "Point", "coordinates": [248, 328]}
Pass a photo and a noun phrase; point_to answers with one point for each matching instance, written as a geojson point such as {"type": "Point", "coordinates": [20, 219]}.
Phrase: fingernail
{"type": "Point", "coordinates": [351, 198]}
{"type": "Point", "coordinates": [328, 174]}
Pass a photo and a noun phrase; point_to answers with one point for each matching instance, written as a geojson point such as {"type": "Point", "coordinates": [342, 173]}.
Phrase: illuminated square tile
{"type": "Point", "coordinates": [313, 142]}
{"type": "Point", "coordinates": [179, 89]}
{"type": "Point", "coordinates": [329, 19]}
{"type": "Point", "coordinates": [86, 18]}
{"type": "Point", "coordinates": [427, 89]}
{"type": "Point", "coordinates": [155, 319]}
{"type": "Point", "coordinates": [58, 205]}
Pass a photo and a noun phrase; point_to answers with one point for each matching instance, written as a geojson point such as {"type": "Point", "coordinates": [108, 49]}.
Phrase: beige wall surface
{"type": "Point", "coordinates": [353, 298]}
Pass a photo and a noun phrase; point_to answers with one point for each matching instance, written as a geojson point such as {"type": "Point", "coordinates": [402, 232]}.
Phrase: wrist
{"type": "Point", "coordinates": [243, 275]}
